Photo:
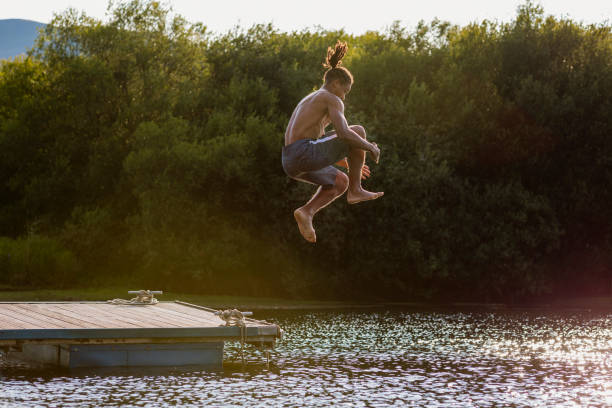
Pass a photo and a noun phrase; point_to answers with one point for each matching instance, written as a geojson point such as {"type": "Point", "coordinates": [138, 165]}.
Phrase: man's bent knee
{"type": "Point", "coordinates": [360, 130]}
{"type": "Point", "coordinates": [342, 183]}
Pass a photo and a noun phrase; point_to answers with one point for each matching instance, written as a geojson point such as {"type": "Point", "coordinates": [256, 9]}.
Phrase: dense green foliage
{"type": "Point", "coordinates": [148, 151]}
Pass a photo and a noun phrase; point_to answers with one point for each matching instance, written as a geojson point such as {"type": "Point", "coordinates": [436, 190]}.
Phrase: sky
{"type": "Point", "coordinates": [355, 16]}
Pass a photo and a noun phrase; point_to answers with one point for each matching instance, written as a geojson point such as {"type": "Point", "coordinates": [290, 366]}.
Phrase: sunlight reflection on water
{"type": "Point", "coordinates": [366, 358]}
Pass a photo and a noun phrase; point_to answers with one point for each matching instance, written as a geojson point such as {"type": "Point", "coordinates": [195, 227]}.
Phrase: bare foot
{"type": "Point", "coordinates": [304, 222]}
{"type": "Point", "coordinates": [362, 195]}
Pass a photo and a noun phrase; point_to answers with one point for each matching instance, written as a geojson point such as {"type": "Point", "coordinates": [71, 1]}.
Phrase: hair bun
{"type": "Point", "coordinates": [335, 55]}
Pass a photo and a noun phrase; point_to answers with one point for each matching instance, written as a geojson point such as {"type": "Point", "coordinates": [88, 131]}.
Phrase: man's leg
{"type": "Point", "coordinates": [356, 160]}
{"type": "Point", "coordinates": [320, 199]}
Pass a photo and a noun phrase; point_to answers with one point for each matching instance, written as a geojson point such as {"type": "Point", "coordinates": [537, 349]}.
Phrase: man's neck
{"type": "Point", "coordinates": [326, 89]}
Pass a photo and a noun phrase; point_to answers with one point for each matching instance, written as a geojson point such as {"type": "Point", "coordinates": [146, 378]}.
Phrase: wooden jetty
{"type": "Point", "coordinates": [102, 334]}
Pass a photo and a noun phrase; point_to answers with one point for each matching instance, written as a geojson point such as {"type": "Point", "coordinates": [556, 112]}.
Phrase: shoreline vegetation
{"type": "Point", "coordinates": [601, 303]}
{"type": "Point", "coordinates": [143, 150]}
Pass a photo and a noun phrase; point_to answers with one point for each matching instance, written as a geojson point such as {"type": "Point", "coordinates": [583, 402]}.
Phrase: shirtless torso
{"type": "Point", "coordinates": [310, 117]}
{"type": "Point", "coordinates": [320, 108]}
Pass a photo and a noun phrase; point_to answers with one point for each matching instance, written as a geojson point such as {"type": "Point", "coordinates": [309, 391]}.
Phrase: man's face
{"type": "Point", "coordinates": [341, 89]}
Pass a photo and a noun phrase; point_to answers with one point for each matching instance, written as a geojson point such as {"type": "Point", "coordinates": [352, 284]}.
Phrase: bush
{"type": "Point", "coordinates": [152, 151]}
{"type": "Point", "coordinates": [36, 261]}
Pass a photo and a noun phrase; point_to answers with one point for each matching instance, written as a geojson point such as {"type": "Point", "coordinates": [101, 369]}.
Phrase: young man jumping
{"type": "Point", "coordinates": [309, 153]}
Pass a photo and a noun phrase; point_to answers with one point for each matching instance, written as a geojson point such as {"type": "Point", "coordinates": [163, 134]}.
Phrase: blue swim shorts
{"type": "Point", "coordinates": [312, 161]}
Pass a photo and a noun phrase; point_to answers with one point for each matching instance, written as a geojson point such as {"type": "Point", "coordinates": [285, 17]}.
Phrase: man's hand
{"type": "Point", "coordinates": [365, 172]}
{"type": "Point", "coordinates": [375, 151]}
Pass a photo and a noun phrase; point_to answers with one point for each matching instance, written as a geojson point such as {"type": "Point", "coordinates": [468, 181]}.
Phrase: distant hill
{"type": "Point", "coordinates": [17, 36]}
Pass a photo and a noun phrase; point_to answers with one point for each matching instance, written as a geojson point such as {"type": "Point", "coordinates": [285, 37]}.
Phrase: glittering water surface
{"type": "Point", "coordinates": [366, 358]}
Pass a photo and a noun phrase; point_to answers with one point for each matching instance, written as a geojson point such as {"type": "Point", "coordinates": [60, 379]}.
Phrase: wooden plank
{"type": "Point", "coordinates": [144, 315]}
{"type": "Point", "coordinates": [74, 313]}
{"type": "Point", "coordinates": [36, 322]}
{"type": "Point", "coordinates": [186, 310]}
{"type": "Point", "coordinates": [119, 320]}
{"type": "Point", "coordinates": [178, 319]}
{"type": "Point", "coordinates": [154, 313]}
{"type": "Point", "coordinates": [198, 307]}
{"type": "Point", "coordinates": [12, 319]}
{"type": "Point", "coordinates": [40, 312]}
{"type": "Point", "coordinates": [189, 309]}
{"type": "Point", "coordinates": [11, 323]}
{"type": "Point", "coordinates": [109, 319]}
{"type": "Point", "coordinates": [216, 320]}
{"type": "Point", "coordinates": [65, 320]}
{"type": "Point", "coordinates": [92, 312]}
{"type": "Point", "coordinates": [63, 315]}
{"type": "Point", "coordinates": [206, 319]}
{"type": "Point", "coordinates": [195, 309]}
{"type": "Point", "coordinates": [249, 321]}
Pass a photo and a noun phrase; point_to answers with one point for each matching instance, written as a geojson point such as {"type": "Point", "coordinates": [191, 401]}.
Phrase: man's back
{"type": "Point", "coordinates": [310, 117]}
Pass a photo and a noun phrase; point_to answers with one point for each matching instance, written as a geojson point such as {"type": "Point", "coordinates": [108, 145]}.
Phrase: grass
{"type": "Point", "coordinates": [214, 301]}
{"type": "Point", "coordinates": [254, 303]}
{"type": "Point", "coordinates": [594, 302]}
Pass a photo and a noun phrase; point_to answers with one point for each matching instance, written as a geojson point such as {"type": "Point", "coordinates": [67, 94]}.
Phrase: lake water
{"type": "Point", "coordinates": [374, 358]}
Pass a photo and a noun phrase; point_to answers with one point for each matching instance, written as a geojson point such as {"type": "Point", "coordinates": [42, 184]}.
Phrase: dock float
{"type": "Point", "coordinates": [103, 334]}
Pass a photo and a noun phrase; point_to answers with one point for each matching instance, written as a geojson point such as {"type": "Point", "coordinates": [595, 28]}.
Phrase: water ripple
{"type": "Point", "coordinates": [365, 359]}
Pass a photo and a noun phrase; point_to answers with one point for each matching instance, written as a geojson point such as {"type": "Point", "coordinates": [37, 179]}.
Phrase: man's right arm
{"type": "Point", "coordinates": [336, 114]}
